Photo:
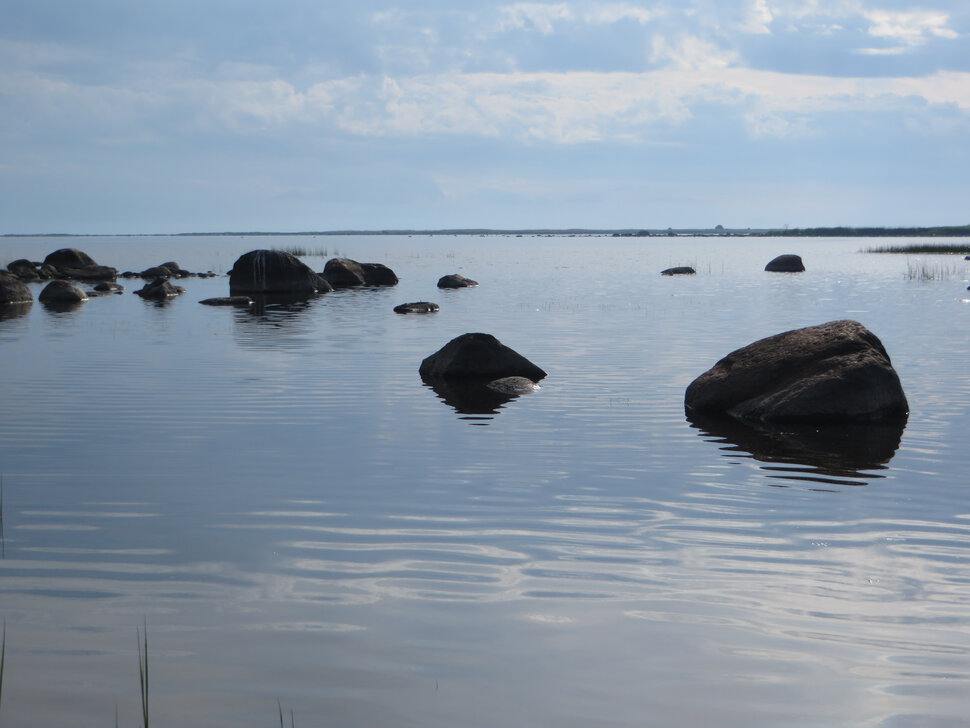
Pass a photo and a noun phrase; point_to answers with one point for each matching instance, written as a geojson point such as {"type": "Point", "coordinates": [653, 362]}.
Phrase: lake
{"type": "Point", "coordinates": [304, 527]}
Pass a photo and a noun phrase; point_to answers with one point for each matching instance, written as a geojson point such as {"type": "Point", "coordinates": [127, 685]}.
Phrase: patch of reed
{"type": "Point", "coordinates": [921, 270]}
{"type": "Point", "coordinates": [926, 248]}
{"type": "Point", "coordinates": [301, 250]}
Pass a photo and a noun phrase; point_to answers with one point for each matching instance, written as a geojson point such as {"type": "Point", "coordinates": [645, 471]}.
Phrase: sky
{"type": "Point", "coordinates": [119, 116]}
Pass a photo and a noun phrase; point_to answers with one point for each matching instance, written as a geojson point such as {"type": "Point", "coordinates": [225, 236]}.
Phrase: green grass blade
{"type": "Point", "coordinates": [142, 641]}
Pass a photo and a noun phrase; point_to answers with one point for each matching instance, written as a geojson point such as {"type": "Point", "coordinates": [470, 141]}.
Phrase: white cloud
{"type": "Point", "coordinates": [758, 18]}
{"type": "Point", "coordinates": [690, 52]}
{"type": "Point", "coordinates": [910, 28]}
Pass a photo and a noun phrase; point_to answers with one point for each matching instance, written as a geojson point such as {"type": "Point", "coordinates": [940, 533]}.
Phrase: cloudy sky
{"type": "Point", "coordinates": [121, 116]}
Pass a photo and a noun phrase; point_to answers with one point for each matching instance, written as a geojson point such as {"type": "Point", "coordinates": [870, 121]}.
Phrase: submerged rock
{"type": "Point", "coordinates": [681, 270]}
{"type": "Point", "coordinates": [512, 385]}
{"type": "Point", "coordinates": [478, 356]}
{"type": "Point", "coordinates": [837, 372]}
{"type": "Point", "coordinates": [240, 301]}
{"type": "Point", "coordinates": [787, 263]}
{"type": "Point", "coordinates": [454, 280]}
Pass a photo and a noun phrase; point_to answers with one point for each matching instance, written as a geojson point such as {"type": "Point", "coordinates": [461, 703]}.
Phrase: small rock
{"type": "Point", "coordinates": [454, 280]}
{"type": "Point", "coordinates": [417, 307]}
{"type": "Point", "coordinates": [787, 263]}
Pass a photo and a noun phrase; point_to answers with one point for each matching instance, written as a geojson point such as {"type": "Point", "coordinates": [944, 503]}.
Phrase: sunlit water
{"type": "Point", "coordinates": [301, 522]}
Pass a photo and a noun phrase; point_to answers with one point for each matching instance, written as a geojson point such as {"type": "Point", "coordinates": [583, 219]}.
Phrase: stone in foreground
{"type": "Point", "coordinates": [786, 264]}
{"type": "Point", "coordinates": [479, 356]}
{"type": "Point", "coordinates": [837, 372]}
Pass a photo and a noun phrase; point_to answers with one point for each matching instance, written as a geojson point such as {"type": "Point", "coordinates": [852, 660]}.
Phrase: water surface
{"type": "Point", "coordinates": [298, 518]}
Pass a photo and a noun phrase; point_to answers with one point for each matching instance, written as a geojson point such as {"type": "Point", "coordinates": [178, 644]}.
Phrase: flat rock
{"type": "Point", "coordinates": [417, 307]}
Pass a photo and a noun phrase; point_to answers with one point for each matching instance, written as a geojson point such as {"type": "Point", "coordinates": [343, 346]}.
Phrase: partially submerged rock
{"type": "Point", "coordinates": [455, 280]}
{"type": "Point", "coordinates": [13, 291]}
{"type": "Point", "coordinates": [417, 307]}
{"type": "Point", "coordinates": [274, 271]}
{"type": "Point", "coordinates": [239, 301]}
{"type": "Point", "coordinates": [62, 292]}
{"type": "Point", "coordinates": [837, 372]}
{"type": "Point", "coordinates": [75, 264]}
{"type": "Point", "coordinates": [478, 356]}
{"type": "Point", "coordinates": [787, 263]}
{"type": "Point", "coordinates": [513, 385]}
{"type": "Point", "coordinates": [347, 273]}
{"type": "Point", "coordinates": [680, 270]}
{"type": "Point", "coordinates": [160, 289]}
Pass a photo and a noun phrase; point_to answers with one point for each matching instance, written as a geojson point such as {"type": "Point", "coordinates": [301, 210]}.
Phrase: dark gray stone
{"type": "Point", "coordinates": [62, 292]}
{"type": "Point", "coordinates": [274, 271]}
{"type": "Point", "coordinates": [417, 307]}
{"type": "Point", "coordinates": [240, 301]}
{"type": "Point", "coordinates": [787, 263]}
{"type": "Point", "coordinates": [454, 280]}
{"type": "Point", "coordinates": [479, 356]}
{"type": "Point", "coordinates": [681, 270]}
{"type": "Point", "coordinates": [347, 273]}
{"type": "Point", "coordinates": [13, 290]}
{"type": "Point", "coordinates": [69, 259]}
{"type": "Point", "coordinates": [837, 372]}
{"type": "Point", "coordinates": [160, 289]}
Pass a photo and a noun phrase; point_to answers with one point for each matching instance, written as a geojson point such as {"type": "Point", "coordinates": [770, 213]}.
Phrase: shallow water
{"type": "Point", "coordinates": [298, 518]}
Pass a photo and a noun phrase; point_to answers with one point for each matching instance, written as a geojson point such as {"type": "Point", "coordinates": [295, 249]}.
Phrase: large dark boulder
{"type": "Point", "coordinates": [274, 271]}
{"type": "Point", "coordinates": [77, 265]}
{"type": "Point", "coordinates": [346, 273]}
{"type": "Point", "coordinates": [787, 263]}
{"type": "Point", "coordinates": [837, 372]}
{"type": "Point", "coordinates": [455, 280]}
{"type": "Point", "coordinates": [478, 356]}
{"type": "Point", "coordinates": [69, 259]}
{"type": "Point", "coordinates": [62, 292]}
{"type": "Point", "coordinates": [13, 290]}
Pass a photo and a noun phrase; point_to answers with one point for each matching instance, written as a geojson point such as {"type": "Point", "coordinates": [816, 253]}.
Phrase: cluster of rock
{"type": "Point", "coordinates": [837, 373]}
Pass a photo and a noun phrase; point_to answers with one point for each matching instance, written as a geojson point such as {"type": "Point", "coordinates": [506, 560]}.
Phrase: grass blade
{"type": "Point", "coordinates": [142, 641]}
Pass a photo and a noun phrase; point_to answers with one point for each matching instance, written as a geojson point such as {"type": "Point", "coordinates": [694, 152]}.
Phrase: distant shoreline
{"type": "Point", "coordinates": [817, 232]}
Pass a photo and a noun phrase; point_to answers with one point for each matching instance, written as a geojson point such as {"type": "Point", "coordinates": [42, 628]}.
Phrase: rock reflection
{"type": "Point", "coordinates": [14, 310]}
{"type": "Point", "coordinates": [471, 397]}
{"type": "Point", "coordinates": [274, 320]}
{"type": "Point", "coordinates": [830, 454]}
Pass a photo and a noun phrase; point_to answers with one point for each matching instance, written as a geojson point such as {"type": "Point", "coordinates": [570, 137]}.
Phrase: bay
{"type": "Point", "coordinates": [296, 517]}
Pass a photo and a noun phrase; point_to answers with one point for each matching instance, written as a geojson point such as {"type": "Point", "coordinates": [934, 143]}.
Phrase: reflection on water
{"type": "Point", "coordinates": [274, 321]}
{"type": "Point", "coordinates": [298, 517]}
{"type": "Point", "coordinates": [470, 396]}
{"type": "Point", "coordinates": [13, 310]}
{"type": "Point", "coordinates": [831, 454]}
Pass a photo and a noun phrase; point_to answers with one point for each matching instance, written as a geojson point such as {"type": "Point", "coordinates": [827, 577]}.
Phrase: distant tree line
{"type": "Point", "coordinates": [872, 232]}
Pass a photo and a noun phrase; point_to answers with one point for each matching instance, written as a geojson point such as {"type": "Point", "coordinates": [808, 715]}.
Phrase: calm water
{"type": "Point", "coordinates": [297, 518]}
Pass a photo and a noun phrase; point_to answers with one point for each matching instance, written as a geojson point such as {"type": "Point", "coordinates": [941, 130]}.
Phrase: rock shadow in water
{"type": "Point", "coordinates": [828, 454]}
{"type": "Point", "coordinates": [472, 397]}
{"type": "Point", "coordinates": [273, 321]}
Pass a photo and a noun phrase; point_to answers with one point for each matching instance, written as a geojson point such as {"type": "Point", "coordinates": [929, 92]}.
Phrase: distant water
{"type": "Point", "coordinates": [300, 521]}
